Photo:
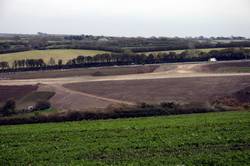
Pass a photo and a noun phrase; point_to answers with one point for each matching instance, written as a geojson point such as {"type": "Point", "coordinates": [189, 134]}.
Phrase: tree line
{"type": "Point", "coordinates": [19, 43]}
{"type": "Point", "coordinates": [127, 57]}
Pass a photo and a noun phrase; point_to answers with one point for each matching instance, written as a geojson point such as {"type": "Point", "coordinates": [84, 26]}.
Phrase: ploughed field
{"type": "Point", "coordinates": [25, 95]}
{"type": "Point", "coordinates": [90, 88]}
{"type": "Point", "coordinates": [196, 89]}
{"type": "Point", "coordinates": [15, 92]}
{"type": "Point", "coordinates": [199, 139]}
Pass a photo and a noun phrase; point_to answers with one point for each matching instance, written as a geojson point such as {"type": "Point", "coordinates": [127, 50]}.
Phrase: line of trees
{"type": "Point", "coordinates": [28, 63]}
{"type": "Point", "coordinates": [17, 43]}
{"type": "Point", "coordinates": [4, 65]}
{"type": "Point", "coordinates": [126, 58]}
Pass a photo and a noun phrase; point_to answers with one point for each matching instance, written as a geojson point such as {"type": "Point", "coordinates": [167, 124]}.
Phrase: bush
{"type": "Point", "coordinates": [8, 108]}
{"type": "Point", "coordinates": [170, 105]}
{"type": "Point", "coordinates": [145, 105]}
{"type": "Point", "coordinates": [42, 105]}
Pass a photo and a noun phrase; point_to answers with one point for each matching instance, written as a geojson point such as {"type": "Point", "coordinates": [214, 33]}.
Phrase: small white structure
{"type": "Point", "coordinates": [103, 39]}
{"type": "Point", "coordinates": [212, 60]}
{"type": "Point", "coordinates": [30, 108]}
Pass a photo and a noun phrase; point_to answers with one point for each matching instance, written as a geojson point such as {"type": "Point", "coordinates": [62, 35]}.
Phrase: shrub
{"type": "Point", "coordinates": [168, 105]}
{"type": "Point", "coordinates": [145, 105]}
{"type": "Point", "coordinates": [42, 105]}
{"type": "Point", "coordinates": [9, 107]}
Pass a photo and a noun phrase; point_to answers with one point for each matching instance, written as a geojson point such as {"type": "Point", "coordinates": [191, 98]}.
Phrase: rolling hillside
{"type": "Point", "coordinates": [198, 139]}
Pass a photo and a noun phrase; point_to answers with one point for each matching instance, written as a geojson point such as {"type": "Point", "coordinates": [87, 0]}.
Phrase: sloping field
{"type": "Point", "coordinates": [156, 90]}
{"type": "Point", "coordinates": [170, 69]}
{"type": "Point", "coordinates": [99, 87]}
{"type": "Point", "coordinates": [15, 92]}
{"type": "Point", "coordinates": [198, 139]}
{"type": "Point", "coordinates": [66, 99]}
{"type": "Point", "coordinates": [64, 54]}
{"type": "Point", "coordinates": [31, 99]}
{"type": "Point", "coordinates": [24, 96]}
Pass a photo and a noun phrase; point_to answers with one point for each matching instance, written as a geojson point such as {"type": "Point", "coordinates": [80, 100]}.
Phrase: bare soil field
{"type": "Point", "coordinates": [82, 89]}
{"type": "Point", "coordinates": [198, 89]}
{"type": "Point", "coordinates": [15, 92]}
{"type": "Point", "coordinates": [67, 99]}
{"type": "Point", "coordinates": [32, 98]}
{"type": "Point", "coordinates": [24, 95]}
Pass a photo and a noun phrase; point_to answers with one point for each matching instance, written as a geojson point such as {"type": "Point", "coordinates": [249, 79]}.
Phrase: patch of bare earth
{"type": "Point", "coordinates": [238, 98]}
{"type": "Point", "coordinates": [194, 89]}
{"type": "Point", "coordinates": [15, 92]}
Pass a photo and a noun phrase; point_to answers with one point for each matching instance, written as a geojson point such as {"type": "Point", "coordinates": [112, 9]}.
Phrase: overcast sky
{"type": "Point", "coordinates": [127, 17]}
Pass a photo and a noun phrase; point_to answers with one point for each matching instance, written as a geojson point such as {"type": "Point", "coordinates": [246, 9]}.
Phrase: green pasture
{"type": "Point", "coordinates": [197, 139]}
{"type": "Point", "coordinates": [64, 54]}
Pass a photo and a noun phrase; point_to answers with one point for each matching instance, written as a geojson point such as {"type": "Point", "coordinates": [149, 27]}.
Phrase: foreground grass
{"type": "Point", "coordinates": [199, 139]}
{"type": "Point", "coordinates": [64, 54]}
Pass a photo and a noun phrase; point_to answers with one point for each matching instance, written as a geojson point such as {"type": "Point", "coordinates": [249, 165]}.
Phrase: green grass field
{"type": "Point", "coordinates": [234, 69]}
{"type": "Point", "coordinates": [198, 139]}
{"type": "Point", "coordinates": [180, 51]}
{"type": "Point", "coordinates": [64, 54]}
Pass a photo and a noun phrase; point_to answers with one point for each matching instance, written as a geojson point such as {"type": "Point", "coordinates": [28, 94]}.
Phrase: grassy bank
{"type": "Point", "coordinates": [199, 139]}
